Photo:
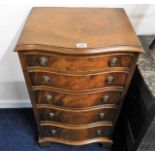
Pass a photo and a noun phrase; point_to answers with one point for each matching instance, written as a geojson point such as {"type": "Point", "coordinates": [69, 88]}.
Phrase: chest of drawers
{"type": "Point", "coordinates": [77, 63]}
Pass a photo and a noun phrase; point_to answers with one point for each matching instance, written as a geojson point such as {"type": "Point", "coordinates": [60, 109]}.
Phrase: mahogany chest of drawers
{"type": "Point", "coordinates": [77, 63]}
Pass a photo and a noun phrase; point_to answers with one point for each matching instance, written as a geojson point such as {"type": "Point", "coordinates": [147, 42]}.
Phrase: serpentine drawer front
{"type": "Point", "coordinates": [74, 117]}
{"type": "Point", "coordinates": [73, 134]}
{"type": "Point", "coordinates": [77, 100]}
{"type": "Point", "coordinates": [81, 63]}
{"type": "Point", "coordinates": [78, 64]}
{"type": "Point", "coordinates": [79, 82]}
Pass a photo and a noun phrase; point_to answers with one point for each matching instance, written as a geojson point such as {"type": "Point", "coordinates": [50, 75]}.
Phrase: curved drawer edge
{"type": "Point", "coordinates": [75, 127]}
{"type": "Point", "coordinates": [79, 92]}
{"type": "Point", "coordinates": [106, 106]}
{"type": "Point", "coordinates": [81, 51]}
{"type": "Point", "coordinates": [69, 142]}
{"type": "Point", "coordinates": [34, 52]}
{"type": "Point", "coordinates": [82, 73]}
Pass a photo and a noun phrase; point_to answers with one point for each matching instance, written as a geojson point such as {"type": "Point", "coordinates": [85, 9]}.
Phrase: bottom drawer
{"type": "Point", "coordinates": [75, 134]}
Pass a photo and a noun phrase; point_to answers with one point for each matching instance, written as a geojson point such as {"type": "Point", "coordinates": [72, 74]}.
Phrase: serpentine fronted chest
{"type": "Point", "coordinates": [78, 64]}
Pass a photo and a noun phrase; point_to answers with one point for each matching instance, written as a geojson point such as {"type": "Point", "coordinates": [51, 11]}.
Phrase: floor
{"type": "Point", "coordinates": [18, 132]}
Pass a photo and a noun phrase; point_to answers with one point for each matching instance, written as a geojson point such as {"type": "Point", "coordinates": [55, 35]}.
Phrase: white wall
{"type": "Point", "coordinates": [13, 91]}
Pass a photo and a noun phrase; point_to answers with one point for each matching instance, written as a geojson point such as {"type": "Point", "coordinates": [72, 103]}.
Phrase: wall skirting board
{"type": "Point", "coordinates": [14, 95]}
{"type": "Point", "coordinates": [15, 104]}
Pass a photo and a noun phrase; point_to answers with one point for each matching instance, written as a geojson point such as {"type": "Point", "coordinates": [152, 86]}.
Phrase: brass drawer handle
{"type": "Point", "coordinates": [113, 61]}
{"type": "Point", "coordinates": [48, 98]}
{"type": "Point", "coordinates": [101, 115]}
{"type": "Point", "coordinates": [53, 132]}
{"type": "Point", "coordinates": [98, 132]}
{"type": "Point", "coordinates": [51, 114]}
{"type": "Point", "coordinates": [105, 99]}
{"type": "Point", "coordinates": [43, 61]}
{"type": "Point", "coordinates": [46, 79]}
{"type": "Point", "coordinates": [110, 79]}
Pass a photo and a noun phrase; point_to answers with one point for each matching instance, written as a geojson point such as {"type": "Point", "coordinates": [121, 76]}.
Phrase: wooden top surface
{"type": "Point", "coordinates": [66, 30]}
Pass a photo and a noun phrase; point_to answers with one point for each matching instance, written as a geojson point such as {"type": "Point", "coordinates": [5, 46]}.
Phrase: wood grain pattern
{"type": "Point", "coordinates": [75, 127]}
{"type": "Point", "coordinates": [77, 83]}
{"type": "Point", "coordinates": [76, 135]}
{"type": "Point", "coordinates": [97, 27]}
{"type": "Point", "coordinates": [76, 117]}
{"type": "Point", "coordinates": [77, 101]}
{"type": "Point", "coordinates": [78, 92]}
{"type": "Point", "coordinates": [78, 63]}
{"type": "Point", "coordinates": [68, 86]}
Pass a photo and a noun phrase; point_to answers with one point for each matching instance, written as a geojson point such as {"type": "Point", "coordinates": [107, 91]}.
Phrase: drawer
{"type": "Point", "coordinates": [76, 117]}
{"type": "Point", "coordinates": [76, 134]}
{"type": "Point", "coordinates": [78, 63]}
{"type": "Point", "coordinates": [77, 82]}
{"type": "Point", "coordinates": [76, 100]}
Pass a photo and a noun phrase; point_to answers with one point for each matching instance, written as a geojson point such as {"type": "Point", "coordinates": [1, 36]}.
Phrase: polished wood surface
{"type": "Point", "coordinates": [103, 140]}
{"type": "Point", "coordinates": [76, 101]}
{"type": "Point", "coordinates": [76, 127]}
{"type": "Point", "coordinates": [76, 117]}
{"type": "Point", "coordinates": [77, 82]}
{"type": "Point", "coordinates": [77, 93]}
{"type": "Point", "coordinates": [63, 28]}
{"type": "Point", "coordinates": [76, 135]}
{"type": "Point", "coordinates": [77, 63]}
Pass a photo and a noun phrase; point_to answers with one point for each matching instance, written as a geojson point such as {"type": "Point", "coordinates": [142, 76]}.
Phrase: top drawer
{"type": "Point", "coordinates": [78, 63]}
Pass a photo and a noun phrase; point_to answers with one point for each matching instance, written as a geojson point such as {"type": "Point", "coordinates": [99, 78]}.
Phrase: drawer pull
{"type": "Point", "coordinates": [110, 79]}
{"type": "Point", "coordinates": [46, 79]}
{"type": "Point", "coordinates": [51, 114]}
{"type": "Point", "coordinates": [98, 132]}
{"type": "Point", "coordinates": [101, 115]}
{"type": "Point", "coordinates": [105, 99]}
{"type": "Point", "coordinates": [43, 61]}
{"type": "Point", "coordinates": [53, 132]}
{"type": "Point", "coordinates": [113, 61]}
{"type": "Point", "coordinates": [48, 98]}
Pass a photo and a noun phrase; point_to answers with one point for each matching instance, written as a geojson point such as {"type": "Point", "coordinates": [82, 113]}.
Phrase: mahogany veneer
{"type": "Point", "coordinates": [82, 100]}
{"type": "Point", "coordinates": [85, 116]}
{"type": "Point", "coordinates": [74, 63]}
{"type": "Point", "coordinates": [78, 64]}
{"type": "Point", "coordinates": [76, 134]}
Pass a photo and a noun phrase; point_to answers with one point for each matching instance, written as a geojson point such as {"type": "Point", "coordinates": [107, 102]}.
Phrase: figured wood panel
{"type": "Point", "coordinates": [77, 101]}
{"type": "Point", "coordinates": [76, 117]}
{"type": "Point", "coordinates": [77, 63]}
{"type": "Point", "coordinates": [76, 135]}
{"type": "Point", "coordinates": [77, 82]}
